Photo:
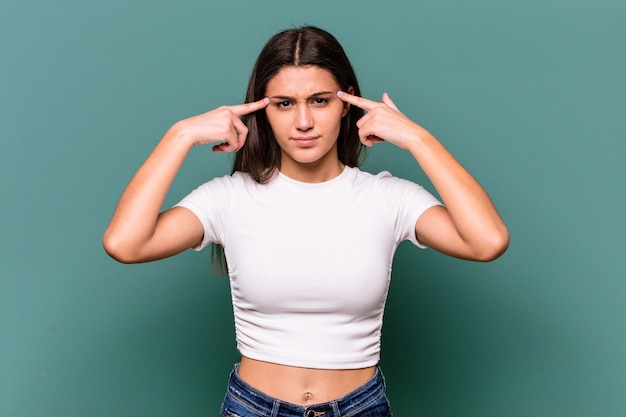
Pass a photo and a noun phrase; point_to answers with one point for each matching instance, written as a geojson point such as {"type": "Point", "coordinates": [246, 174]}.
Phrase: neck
{"type": "Point", "coordinates": [322, 170]}
{"type": "Point", "coordinates": [311, 172]}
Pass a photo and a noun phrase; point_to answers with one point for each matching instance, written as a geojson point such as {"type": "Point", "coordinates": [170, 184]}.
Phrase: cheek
{"type": "Point", "coordinates": [275, 120]}
{"type": "Point", "coordinates": [334, 119]}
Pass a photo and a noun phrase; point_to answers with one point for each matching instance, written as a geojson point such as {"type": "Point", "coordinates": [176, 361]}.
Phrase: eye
{"type": "Point", "coordinates": [283, 104]}
{"type": "Point", "coordinates": [319, 101]}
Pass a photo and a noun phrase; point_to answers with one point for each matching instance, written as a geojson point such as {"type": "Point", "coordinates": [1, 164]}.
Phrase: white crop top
{"type": "Point", "coordinates": [309, 263]}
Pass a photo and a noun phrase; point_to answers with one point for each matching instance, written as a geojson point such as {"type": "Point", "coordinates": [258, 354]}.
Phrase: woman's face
{"type": "Point", "coordinates": [305, 115]}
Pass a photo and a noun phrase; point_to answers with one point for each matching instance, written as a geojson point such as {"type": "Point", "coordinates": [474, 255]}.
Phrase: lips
{"type": "Point", "coordinates": [305, 141]}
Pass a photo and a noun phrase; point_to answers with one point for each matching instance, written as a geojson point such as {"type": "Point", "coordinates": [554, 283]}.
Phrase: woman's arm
{"type": "Point", "coordinates": [138, 232]}
{"type": "Point", "coordinates": [469, 225]}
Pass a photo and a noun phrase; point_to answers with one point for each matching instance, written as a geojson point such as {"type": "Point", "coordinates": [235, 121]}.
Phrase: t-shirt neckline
{"type": "Point", "coordinates": [284, 178]}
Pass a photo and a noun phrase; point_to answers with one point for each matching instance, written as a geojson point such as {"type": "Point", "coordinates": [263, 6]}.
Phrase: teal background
{"type": "Point", "coordinates": [529, 95]}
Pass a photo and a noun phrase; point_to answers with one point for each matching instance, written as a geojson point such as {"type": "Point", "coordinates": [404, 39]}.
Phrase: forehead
{"type": "Point", "coordinates": [301, 81]}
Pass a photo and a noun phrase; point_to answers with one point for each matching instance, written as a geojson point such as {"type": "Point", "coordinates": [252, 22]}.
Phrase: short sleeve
{"type": "Point", "coordinates": [210, 203]}
{"type": "Point", "coordinates": [407, 201]}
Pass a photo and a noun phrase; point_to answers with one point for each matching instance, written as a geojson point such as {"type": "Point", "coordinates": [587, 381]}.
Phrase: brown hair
{"type": "Point", "coordinates": [260, 155]}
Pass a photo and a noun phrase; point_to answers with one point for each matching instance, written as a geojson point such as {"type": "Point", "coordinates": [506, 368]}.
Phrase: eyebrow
{"type": "Point", "coordinates": [314, 95]}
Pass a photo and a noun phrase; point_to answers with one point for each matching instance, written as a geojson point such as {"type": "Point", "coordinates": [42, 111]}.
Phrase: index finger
{"type": "Point", "coordinates": [246, 108]}
{"type": "Point", "coordinates": [361, 102]}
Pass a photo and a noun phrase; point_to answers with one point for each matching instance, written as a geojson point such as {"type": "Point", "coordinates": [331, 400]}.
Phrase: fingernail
{"type": "Point", "coordinates": [266, 100]}
{"type": "Point", "coordinates": [340, 93]}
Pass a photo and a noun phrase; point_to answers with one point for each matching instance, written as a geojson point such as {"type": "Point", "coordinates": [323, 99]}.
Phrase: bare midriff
{"type": "Point", "coordinates": [302, 386]}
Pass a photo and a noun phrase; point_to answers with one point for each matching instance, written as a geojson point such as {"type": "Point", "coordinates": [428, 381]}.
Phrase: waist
{"type": "Point", "coordinates": [302, 386]}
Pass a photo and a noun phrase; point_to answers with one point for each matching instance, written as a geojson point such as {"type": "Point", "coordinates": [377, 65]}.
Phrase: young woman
{"type": "Point", "coordinates": [308, 237]}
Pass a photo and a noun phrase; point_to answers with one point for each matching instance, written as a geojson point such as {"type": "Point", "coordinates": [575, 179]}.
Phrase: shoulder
{"type": "Point", "coordinates": [217, 191]}
{"type": "Point", "coordinates": [227, 182]}
{"type": "Point", "coordinates": [234, 178]}
{"type": "Point", "coordinates": [383, 179]}
{"type": "Point", "coordinates": [358, 177]}
{"type": "Point", "coordinates": [396, 191]}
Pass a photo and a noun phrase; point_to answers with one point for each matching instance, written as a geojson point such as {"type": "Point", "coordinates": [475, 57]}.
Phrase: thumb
{"type": "Point", "coordinates": [387, 100]}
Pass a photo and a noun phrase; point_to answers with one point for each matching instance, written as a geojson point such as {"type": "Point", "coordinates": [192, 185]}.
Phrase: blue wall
{"type": "Point", "coordinates": [530, 96]}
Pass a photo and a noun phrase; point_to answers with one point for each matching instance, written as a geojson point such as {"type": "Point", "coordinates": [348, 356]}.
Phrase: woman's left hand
{"type": "Point", "coordinates": [469, 225]}
{"type": "Point", "coordinates": [384, 122]}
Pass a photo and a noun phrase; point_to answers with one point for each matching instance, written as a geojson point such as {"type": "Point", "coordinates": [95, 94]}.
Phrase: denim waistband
{"type": "Point", "coordinates": [349, 404]}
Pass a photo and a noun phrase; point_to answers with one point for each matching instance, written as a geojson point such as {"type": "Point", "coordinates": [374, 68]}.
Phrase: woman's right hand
{"type": "Point", "coordinates": [138, 232]}
{"type": "Point", "coordinates": [221, 126]}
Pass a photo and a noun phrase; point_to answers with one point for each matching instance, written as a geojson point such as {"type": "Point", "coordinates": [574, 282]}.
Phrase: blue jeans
{"type": "Point", "coordinates": [242, 400]}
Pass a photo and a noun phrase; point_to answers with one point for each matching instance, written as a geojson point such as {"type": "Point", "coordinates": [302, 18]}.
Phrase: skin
{"type": "Point", "coordinates": [304, 108]}
{"type": "Point", "coordinates": [469, 226]}
{"type": "Point", "coordinates": [305, 114]}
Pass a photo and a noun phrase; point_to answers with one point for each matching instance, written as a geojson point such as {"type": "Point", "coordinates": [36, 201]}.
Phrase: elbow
{"type": "Point", "coordinates": [118, 250]}
{"type": "Point", "coordinates": [493, 247]}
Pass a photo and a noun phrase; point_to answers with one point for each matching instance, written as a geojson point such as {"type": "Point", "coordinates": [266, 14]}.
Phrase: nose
{"type": "Point", "coordinates": [304, 118]}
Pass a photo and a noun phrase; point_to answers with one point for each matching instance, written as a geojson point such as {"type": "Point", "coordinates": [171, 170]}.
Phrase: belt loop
{"type": "Point", "coordinates": [275, 408]}
{"type": "Point", "coordinates": [336, 411]}
{"type": "Point", "coordinates": [382, 376]}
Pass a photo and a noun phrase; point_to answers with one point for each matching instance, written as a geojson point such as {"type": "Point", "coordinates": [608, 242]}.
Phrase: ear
{"type": "Point", "coordinates": [346, 106]}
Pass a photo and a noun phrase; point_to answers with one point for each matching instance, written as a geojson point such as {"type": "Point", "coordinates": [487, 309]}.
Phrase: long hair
{"type": "Point", "coordinates": [260, 155]}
